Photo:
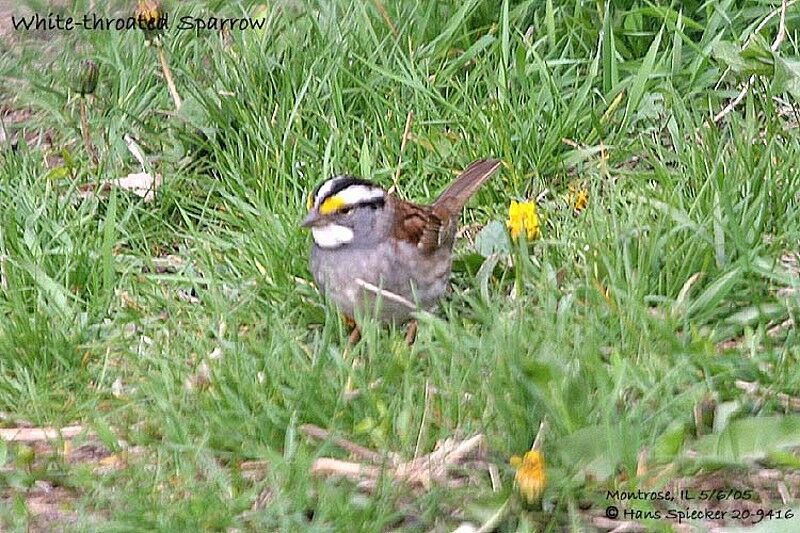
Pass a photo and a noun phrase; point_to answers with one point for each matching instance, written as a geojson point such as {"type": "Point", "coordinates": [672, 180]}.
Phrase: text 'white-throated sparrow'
{"type": "Point", "coordinates": [370, 245]}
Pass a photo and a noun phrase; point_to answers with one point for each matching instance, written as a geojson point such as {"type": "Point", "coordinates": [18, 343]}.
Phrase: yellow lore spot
{"type": "Point", "coordinates": [522, 215]}
{"type": "Point", "coordinates": [331, 205]}
{"type": "Point", "coordinates": [531, 477]}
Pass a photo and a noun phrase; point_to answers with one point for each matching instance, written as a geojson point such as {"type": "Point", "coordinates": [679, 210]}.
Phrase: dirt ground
{"type": "Point", "coordinates": [7, 9]}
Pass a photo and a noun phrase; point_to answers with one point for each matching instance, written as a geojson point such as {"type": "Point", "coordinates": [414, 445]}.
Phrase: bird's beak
{"type": "Point", "coordinates": [311, 219]}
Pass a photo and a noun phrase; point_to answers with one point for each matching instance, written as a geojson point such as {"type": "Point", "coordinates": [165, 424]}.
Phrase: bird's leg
{"type": "Point", "coordinates": [411, 332]}
{"type": "Point", "coordinates": [355, 335]}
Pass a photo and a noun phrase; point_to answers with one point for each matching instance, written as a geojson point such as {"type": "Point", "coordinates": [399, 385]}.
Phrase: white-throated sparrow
{"type": "Point", "coordinates": [370, 245]}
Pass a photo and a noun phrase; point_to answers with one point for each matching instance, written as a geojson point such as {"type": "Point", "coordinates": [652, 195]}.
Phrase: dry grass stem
{"type": "Point", "coordinates": [386, 18]}
{"type": "Point", "coordinates": [87, 140]}
{"type": "Point", "coordinates": [403, 143]}
{"type": "Point", "coordinates": [421, 472]}
{"type": "Point", "coordinates": [25, 434]}
{"type": "Point", "coordinates": [173, 91]}
{"type": "Point", "coordinates": [359, 451]}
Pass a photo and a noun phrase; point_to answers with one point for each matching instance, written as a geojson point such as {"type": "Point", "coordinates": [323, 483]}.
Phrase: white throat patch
{"type": "Point", "coordinates": [332, 235]}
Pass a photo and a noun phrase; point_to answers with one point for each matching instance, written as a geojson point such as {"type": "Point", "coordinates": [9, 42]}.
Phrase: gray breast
{"type": "Point", "coordinates": [396, 273]}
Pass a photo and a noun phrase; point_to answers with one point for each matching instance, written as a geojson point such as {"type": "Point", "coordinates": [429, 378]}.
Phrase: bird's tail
{"type": "Point", "coordinates": [475, 175]}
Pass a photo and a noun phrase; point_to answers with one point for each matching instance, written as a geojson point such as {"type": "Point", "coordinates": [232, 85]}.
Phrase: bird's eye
{"type": "Point", "coordinates": [346, 211]}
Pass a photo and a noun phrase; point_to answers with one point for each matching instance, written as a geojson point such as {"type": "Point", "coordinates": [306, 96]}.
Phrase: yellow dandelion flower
{"type": "Point", "coordinates": [581, 200]}
{"type": "Point", "coordinates": [578, 198]}
{"type": "Point", "coordinates": [523, 215]}
{"type": "Point", "coordinates": [150, 18]}
{"type": "Point", "coordinates": [531, 477]}
{"type": "Point", "coordinates": [148, 11]}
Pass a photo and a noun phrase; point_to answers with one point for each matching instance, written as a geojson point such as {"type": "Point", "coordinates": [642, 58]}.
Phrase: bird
{"type": "Point", "coordinates": [370, 246]}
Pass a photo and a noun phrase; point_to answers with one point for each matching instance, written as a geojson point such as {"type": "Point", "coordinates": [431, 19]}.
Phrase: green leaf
{"type": "Point", "coordinates": [782, 458]}
{"type": "Point", "coordinates": [550, 23]}
{"type": "Point", "coordinates": [728, 53]}
{"type": "Point", "coordinates": [677, 45]}
{"type": "Point", "coordinates": [502, 80]}
{"type": "Point", "coordinates": [455, 23]}
{"type": "Point", "coordinates": [787, 76]}
{"type": "Point", "coordinates": [757, 59]}
{"type": "Point", "coordinates": [196, 114]}
{"type": "Point", "coordinates": [751, 439]}
{"type": "Point", "coordinates": [669, 443]}
{"type": "Point", "coordinates": [759, 55]}
{"type": "Point", "coordinates": [719, 233]}
{"type": "Point", "coordinates": [714, 293]}
{"type": "Point", "coordinates": [365, 159]}
{"type": "Point", "coordinates": [473, 51]}
{"type": "Point", "coordinates": [485, 274]}
{"type": "Point", "coordinates": [596, 449]}
{"type": "Point", "coordinates": [644, 73]}
{"type": "Point", "coordinates": [537, 373]}
{"type": "Point", "coordinates": [468, 263]}
{"type": "Point", "coordinates": [610, 77]}
{"type": "Point", "coordinates": [56, 293]}
{"type": "Point", "coordinates": [755, 314]}
{"type": "Point", "coordinates": [57, 173]}
{"type": "Point", "coordinates": [107, 250]}
{"type": "Point", "coordinates": [492, 239]}
{"type": "Point", "coordinates": [678, 216]}
{"type": "Point", "coordinates": [106, 434]}
{"type": "Point", "coordinates": [723, 414]}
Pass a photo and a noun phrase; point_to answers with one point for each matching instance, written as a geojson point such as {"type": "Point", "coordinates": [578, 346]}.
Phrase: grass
{"type": "Point", "coordinates": [617, 326]}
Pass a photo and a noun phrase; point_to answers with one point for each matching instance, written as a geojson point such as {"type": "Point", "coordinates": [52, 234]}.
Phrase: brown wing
{"type": "Point", "coordinates": [433, 227]}
{"type": "Point", "coordinates": [425, 227]}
